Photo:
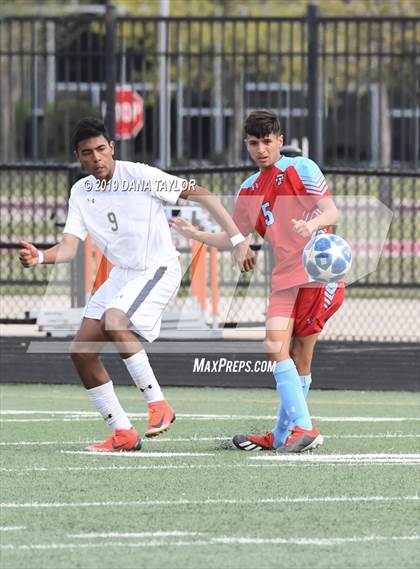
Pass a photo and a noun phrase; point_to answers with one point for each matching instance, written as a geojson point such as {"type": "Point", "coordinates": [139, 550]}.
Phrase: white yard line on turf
{"type": "Point", "coordinates": [237, 540]}
{"type": "Point", "coordinates": [223, 540]}
{"type": "Point", "coordinates": [206, 439]}
{"type": "Point", "coordinates": [212, 501]}
{"type": "Point", "coordinates": [113, 467]}
{"type": "Point", "coordinates": [107, 535]}
{"type": "Point", "coordinates": [260, 465]}
{"type": "Point", "coordinates": [364, 419]}
{"type": "Point", "coordinates": [346, 458]}
{"type": "Point", "coordinates": [101, 545]}
{"type": "Point", "coordinates": [138, 454]}
{"type": "Point", "coordinates": [12, 528]}
{"type": "Point", "coordinates": [154, 441]}
{"type": "Point", "coordinates": [35, 412]}
{"type": "Point", "coordinates": [398, 458]}
{"type": "Point", "coordinates": [65, 420]}
{"type": "Point", "coordinates": [324, 458]}
{"type": "Point", "coordinates": [43, 443]}
{"type": "Point", "coordinates": [379, 436]}
{"type": "Point", "coordinates": [75, 418]}
{"type": "Point", "coordinates": [313, 540]}
{"type": "Point", "coordinates": [87, 415]}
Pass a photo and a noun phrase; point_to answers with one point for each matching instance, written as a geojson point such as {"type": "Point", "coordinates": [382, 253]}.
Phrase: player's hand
{"type": "Point", "coordinates": [302, 228]}
{"type": "Point", "coordinates": [184, 227]}
{"type": "Point", "coordinates": [244, 257]}
{"type": "Point", "coordinates": [249, 262]}
{"type": "Point", "coordinates": [28, 255]}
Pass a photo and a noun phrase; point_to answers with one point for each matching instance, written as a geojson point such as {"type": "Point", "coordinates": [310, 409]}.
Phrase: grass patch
{"type": "Point", "coordinates": [214, 507]}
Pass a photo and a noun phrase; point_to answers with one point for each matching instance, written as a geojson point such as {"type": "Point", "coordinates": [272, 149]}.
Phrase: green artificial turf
{"type": "Point", "coordinates": [209, 505]}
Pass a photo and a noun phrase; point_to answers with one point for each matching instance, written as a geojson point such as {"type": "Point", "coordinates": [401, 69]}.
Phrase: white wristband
{"type": "Point", "coordinates": [236, 239]}
{"type": "Point", "coordinates": [40, 257]}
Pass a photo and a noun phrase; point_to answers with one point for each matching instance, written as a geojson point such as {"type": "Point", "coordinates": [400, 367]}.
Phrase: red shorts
{"type": "Point", "coordinates": [310, 306]}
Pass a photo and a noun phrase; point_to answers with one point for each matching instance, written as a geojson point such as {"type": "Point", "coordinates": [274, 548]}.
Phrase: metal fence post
{"type": "Point", "coordinates": [110, 68]}
{"type": "Point", "coordinates": [314, 110]}
{"type": "Point", "coordinates": [77, 277]}
{"type": "Point", "coordinates": [164, 86]}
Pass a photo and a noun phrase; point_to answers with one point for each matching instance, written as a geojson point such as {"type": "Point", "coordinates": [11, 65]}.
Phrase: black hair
{"type": "Point", "coordinates": [261, 123]}
{"type": "Point", "coordinates": [89, 127]}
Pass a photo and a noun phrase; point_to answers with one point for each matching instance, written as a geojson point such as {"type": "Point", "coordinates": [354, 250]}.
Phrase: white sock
{"type": "Point", "coordinates": [106, 402]}
{"type": "Point", "coordinates": [139, 368]}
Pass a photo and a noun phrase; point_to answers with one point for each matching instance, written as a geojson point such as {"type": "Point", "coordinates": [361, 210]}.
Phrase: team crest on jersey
{"type": "Point", "coordinates": [280, 178]}
{"type": "Point", "coordinates": [255, 186]}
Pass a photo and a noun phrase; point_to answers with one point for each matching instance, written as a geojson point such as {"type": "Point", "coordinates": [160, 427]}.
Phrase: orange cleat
{"type": "Point", "coordinates": [121, 440]}
{"type": "Point", "coordinates": [161, 415]}
{"type": "Point", "coordinates": [301, 440]}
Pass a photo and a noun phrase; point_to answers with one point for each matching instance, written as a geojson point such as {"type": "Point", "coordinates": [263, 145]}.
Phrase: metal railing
{"type": "Point", "coordinates": [346, 89]}
{"type": "Point", "coordinates": [34, 204]}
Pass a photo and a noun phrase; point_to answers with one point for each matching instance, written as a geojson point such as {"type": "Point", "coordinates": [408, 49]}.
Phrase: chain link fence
{"type": "Point", "coordinates": [382, 304]}
{"type": "Point", "coordinates": [346, 90]}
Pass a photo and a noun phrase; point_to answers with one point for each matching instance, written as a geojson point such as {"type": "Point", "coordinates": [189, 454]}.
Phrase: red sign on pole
{"type": "Point", "coordinates": [129, 113]}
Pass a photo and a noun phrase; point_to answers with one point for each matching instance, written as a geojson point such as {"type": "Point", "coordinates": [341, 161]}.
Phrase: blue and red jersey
{"type": "Point", "coordinates": [268, 201]}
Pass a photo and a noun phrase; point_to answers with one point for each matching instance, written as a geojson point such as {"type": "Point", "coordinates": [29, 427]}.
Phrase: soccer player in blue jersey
{"type": "Point", "coordinates": [285, 202]}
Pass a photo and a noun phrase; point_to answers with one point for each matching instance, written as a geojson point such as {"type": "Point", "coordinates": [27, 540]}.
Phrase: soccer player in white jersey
{"type": "Point", "coordinates": [120, 204]}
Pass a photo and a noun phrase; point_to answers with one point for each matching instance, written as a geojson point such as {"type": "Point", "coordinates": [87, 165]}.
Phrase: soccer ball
{"type": "Point", "coordinates": [327, 258]}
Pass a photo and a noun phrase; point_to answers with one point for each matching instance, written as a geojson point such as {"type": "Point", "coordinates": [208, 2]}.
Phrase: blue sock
{"type": "Point", "coordinates": [281, 431]}
{"type": "Point", "coordinates": [282, 423]}
{"type": "Point", "coordinates": [305, 381]}
{"type": "Point", "coordinates": [293, 408]}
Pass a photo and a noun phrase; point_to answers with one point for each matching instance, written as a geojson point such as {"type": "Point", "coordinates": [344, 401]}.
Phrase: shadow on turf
{"type": "Point", "coordinates": [224, 445]}
{"type": "Point", "coordinates": [228, 445]}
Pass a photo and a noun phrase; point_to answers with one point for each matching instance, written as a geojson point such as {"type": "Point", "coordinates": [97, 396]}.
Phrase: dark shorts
{"type": "Point", "coordinates": [310, 306]}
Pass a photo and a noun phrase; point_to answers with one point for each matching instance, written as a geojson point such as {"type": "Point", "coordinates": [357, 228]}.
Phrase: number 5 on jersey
{"type": "Point", "coordinates": [268, 215]}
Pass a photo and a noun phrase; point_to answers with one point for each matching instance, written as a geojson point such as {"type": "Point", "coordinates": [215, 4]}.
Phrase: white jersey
{"type": "Point", "coordinates": [125, 216]}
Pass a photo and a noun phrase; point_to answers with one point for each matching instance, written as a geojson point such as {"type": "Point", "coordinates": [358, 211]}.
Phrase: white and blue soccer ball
{"type": "Point", "coordinates": [327, 258]}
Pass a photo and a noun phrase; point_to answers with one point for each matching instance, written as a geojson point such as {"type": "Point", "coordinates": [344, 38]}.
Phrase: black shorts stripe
{"type": "Point", "coordinates": [146, 290]}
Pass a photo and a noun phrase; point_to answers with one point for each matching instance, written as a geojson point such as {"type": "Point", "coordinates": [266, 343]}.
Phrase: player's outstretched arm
{"type": "Point", "coordinates": [63, 252]}
{"type": "Point", "coordinates": [241, 252]}
{"type": "Point", "coordinates": [213, 205]}
{"type": "Point", "coordinates": [220, 240]}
